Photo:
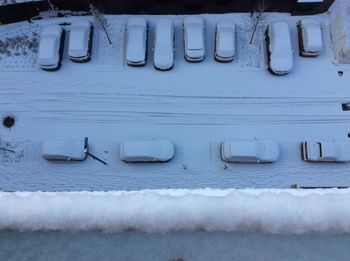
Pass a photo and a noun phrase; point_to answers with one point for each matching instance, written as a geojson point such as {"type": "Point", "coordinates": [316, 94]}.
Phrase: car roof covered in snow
{"type": "Point", "coordinates": [162, 150]}
{"type": "Point", "coordinates": [225, 39]}
{"type": "Point", "coordinates": [135, 49]}
{"type": "Point", "coordinates": [78, 42]}
{"type": "Point", "coordinates": [312, 35]}
{"type": "Point", "coordinates": [280, 36]}
{"type": "Point", "coordinates": [79, 38]}
{"type": "Point", "coordinates": [245, 148]}
{"type": "Point", "coordinates": [194, 27]}
{"type": "Point", "coordinates": [48, 48]}
{"type": "Point", "coordinates": [164, 29]}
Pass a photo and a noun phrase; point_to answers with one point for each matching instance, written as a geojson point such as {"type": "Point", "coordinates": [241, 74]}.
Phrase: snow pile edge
{"type": "Point", "coordinates": [250, 210]}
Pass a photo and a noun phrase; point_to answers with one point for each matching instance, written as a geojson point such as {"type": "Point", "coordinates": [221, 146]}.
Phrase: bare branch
{"type": "Point", "coordinates": [101, 20]}
{"type": "Point", "coordinates": [259, 17]}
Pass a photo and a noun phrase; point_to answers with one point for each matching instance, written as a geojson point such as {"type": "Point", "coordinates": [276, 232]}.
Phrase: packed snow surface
{"type": "Point", "coordinates": [268, 211]}
{"type": "Point", "coordinates": [197, 106]}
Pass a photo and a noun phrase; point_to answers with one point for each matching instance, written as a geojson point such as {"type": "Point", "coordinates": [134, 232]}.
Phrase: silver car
{"type": "Point", "coordinates": [279, 48]}
{"type": "Point", "coordinates": [80, 41]}
{"type": "Point", "coordinates": [225, 41]}
{"type": "Point", "coordinates": [249, 151]}
{"type": "Point", "coordinates": [51, 47]}
{"type": "Point", "coordinates": [147, 151]}
{"type": "Point", "coordinates": [194, 39]}
{"type": "Point", "coordinates": [163, 58]}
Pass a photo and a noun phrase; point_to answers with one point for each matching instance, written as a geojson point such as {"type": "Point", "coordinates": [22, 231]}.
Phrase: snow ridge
{"type": "Point", "coordinates": [250, 210]}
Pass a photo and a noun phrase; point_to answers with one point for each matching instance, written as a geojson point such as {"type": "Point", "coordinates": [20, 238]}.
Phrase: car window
{"type": "Point", "coordinates": [246, 158]}
{"type": "Point", "coordinates": [320, 148]}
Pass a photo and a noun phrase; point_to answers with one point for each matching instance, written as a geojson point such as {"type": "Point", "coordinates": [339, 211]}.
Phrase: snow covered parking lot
{"type": "Point", "coordinates": [197, 106]}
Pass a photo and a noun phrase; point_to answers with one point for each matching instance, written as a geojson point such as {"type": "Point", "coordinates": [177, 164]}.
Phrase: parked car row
{"type": "Point", "coordinates": [279, 45]}
{"type": "Point", "coordinates": [277, 37]}
{"type": "Point", "coordinates": [164, 41]}
{"type": "Point", "coordinates": [52, 44]}
{"type": "Point", "coordinates": [234, 151]}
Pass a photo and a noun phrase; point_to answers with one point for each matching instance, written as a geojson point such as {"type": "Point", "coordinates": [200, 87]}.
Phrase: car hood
{"type": "Point", "coordinates": [164, 59]}
{"type": "Point", "coordinates": [135, 54]}
{"type": "Point", "coordinates": [225, 52]}
{"type": "Point", "coordinates": [195, 53]}
{"type": "Point", "coordinates": [281, 64]}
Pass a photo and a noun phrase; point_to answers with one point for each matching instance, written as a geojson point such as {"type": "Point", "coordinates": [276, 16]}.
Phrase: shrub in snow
{"type": "Point", "coordinates": [100, 20]}
{"type": "Point", "coordinates": [340, 36]}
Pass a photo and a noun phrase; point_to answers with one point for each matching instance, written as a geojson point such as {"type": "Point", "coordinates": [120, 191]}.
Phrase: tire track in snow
{"type": "Point", "coordinates": [122, 108]}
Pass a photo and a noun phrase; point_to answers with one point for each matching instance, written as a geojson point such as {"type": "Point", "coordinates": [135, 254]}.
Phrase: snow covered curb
{"type": "Point", "coordinates": [249, 210]}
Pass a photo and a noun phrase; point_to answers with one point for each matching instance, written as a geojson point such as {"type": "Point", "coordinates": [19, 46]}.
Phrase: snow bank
{"type": "Point", "coordinates": [268, 211]}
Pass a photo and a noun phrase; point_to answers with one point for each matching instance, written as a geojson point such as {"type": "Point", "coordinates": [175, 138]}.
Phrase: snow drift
{"type": "Point", "coordinates": [268, 211]}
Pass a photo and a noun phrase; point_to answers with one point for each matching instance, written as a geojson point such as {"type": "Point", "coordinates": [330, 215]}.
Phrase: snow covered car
{"type": "Point", "coordinates": [310, 37]}
{"type": "Point", "coordinates": [65, 150]}
{"type": "Point", "coordinates": [136, 41]}
{"type": "Point", "coordinates": [225, 41]}
{"type": "Point", "coordinates": [194, 39]}
{"type": "Point", "coordinates": [326, 151]}
{"type": "Point", "coordinates": [164, 45]}
{"type": "Point", "coordinates": [147, 151]}
{"type": "Point", "coordinates": [80, 41]}
{"type": "Point", "coordinates": [249, 151]}
{"type": "Point", "coordinates": [51, 47]}
{"type": "Point", "coordinates": [279, 48]}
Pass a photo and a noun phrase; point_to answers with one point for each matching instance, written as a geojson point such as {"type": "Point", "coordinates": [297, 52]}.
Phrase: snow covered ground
{"type": "Point", "coordinates": [161, 211]}
{"type": "Point", "coordinates": [197, 106]}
